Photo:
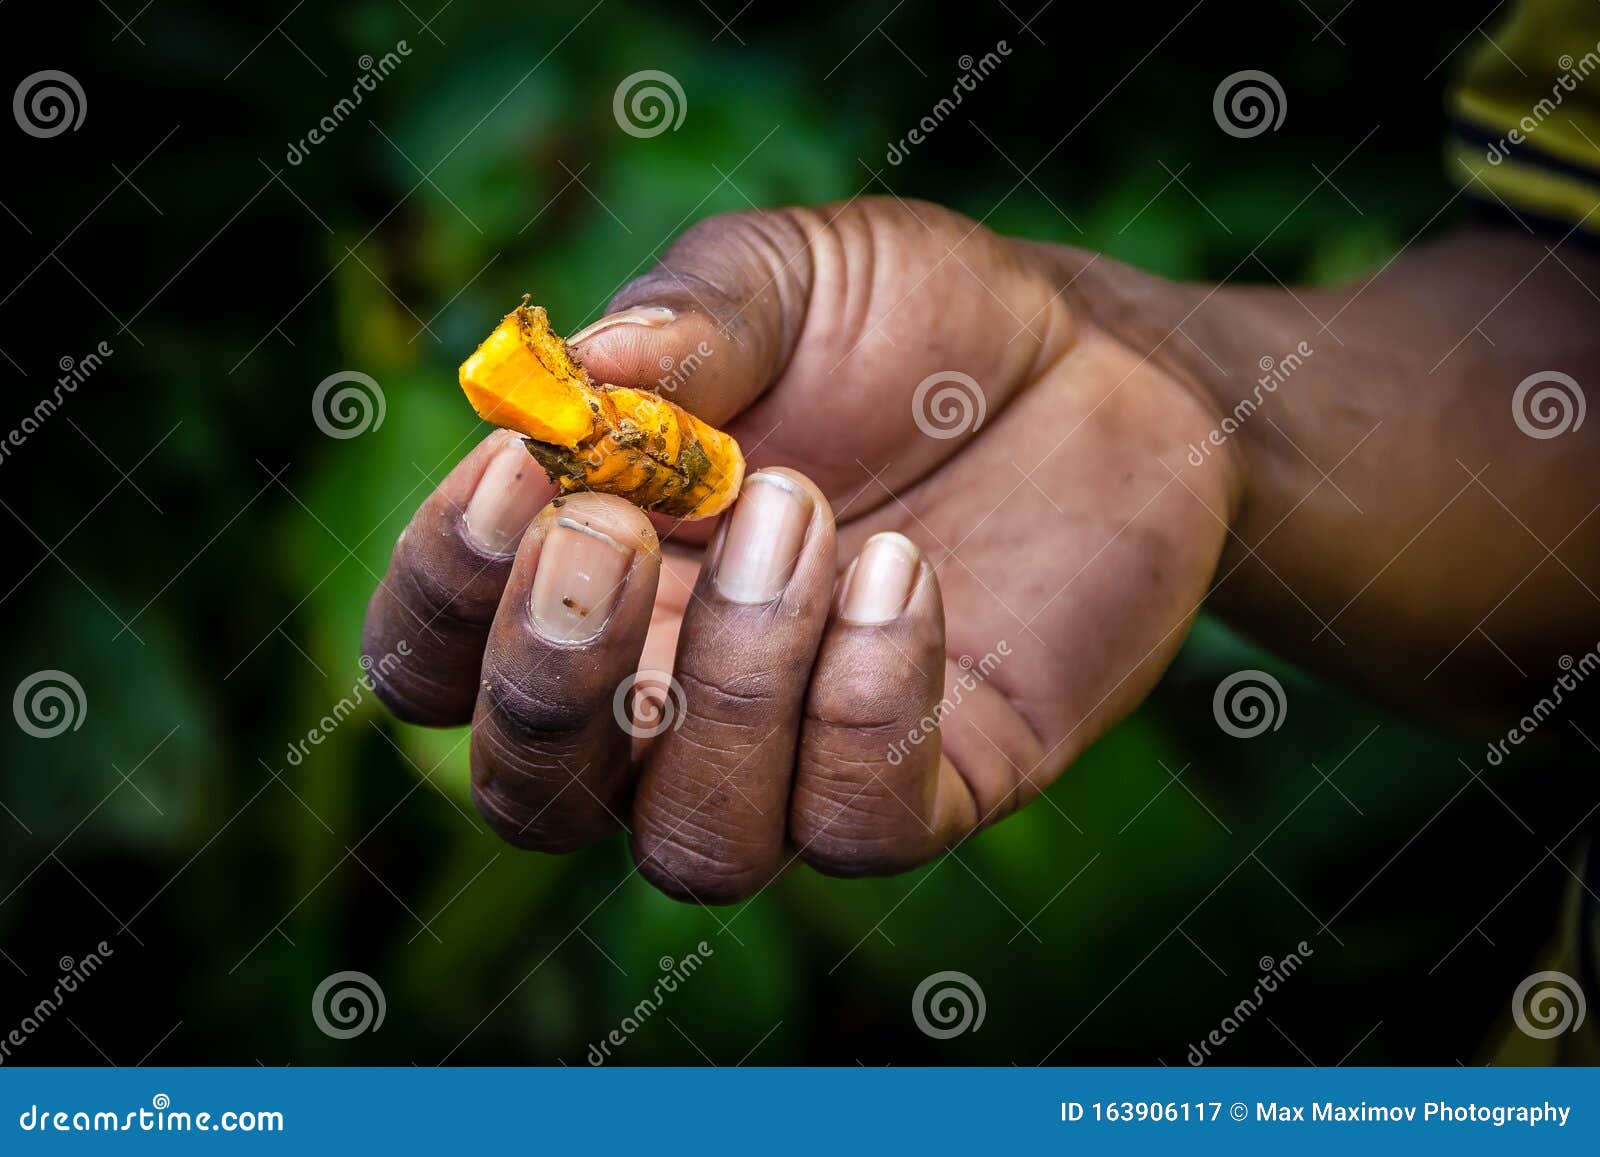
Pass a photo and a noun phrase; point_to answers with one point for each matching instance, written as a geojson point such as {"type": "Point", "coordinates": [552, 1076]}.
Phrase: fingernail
{"type": "Point", "coordinates": [578, 582]}
{"type": "Point", "coordinates": [509, 494]}
{"type": "Point", "coordinates": [881, 581]}
{"type": "Point", "coordinates": [650, 316]}
{"type": "Point", "coordinates": [763, 539]}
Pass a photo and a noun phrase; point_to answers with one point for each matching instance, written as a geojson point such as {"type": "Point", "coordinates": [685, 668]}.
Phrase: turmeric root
{"type": "Point", "coordinates": [613, 439]}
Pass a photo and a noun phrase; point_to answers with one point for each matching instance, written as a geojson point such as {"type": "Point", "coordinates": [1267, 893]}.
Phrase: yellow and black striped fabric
{"type": "Point", "coordinates": [1525, 116]}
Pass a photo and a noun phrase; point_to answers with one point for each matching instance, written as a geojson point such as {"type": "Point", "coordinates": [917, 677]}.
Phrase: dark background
{"type": "Point", "coordinates": [186, 543]}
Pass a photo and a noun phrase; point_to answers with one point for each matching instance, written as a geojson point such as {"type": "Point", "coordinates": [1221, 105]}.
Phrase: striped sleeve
{"type": "Point", "coordinates": [1525, 116]}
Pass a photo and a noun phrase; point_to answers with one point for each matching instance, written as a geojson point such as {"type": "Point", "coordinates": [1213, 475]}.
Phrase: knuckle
{"type": "Point", "coordinates": [416, 687]}
{"type": "Point", "coordinates": [412, 696]}
{"type": "Point", "coordinates": [692, 876]}
{"type": "Point", "coordinates": [856, 810]}
{"type": "Point", "coordinates": [729, 700]}
{"type": "Point", "coordinates": [530, 829]}
{"type": "Point", "coordinates": [847, 819]}
{"type": "Point", "coordinates": [718, 873]}
{"type": "Point", "coordinates": [443, 594]}
{"type": "Point", "coordinates": [536, 710]}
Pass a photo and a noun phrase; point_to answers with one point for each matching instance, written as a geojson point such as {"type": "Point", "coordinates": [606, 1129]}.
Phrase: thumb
{"type": "Point", "coordinates": [715, 323]}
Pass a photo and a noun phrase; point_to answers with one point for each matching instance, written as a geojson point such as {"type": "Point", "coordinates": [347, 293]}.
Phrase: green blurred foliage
{"type": "Point", "coordinates": [1118, 919]}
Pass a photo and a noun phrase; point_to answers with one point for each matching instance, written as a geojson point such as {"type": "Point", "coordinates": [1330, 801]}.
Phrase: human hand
{"type": "Point", "coordinates": [1024, 578]}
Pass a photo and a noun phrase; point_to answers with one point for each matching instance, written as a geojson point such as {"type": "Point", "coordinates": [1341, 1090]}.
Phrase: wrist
{"type": "Point", "coordinates": [1158, 320]}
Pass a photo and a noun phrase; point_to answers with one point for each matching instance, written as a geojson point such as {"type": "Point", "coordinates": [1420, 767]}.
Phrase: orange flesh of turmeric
{"type": "Point", "coordinates": [613, 439]}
